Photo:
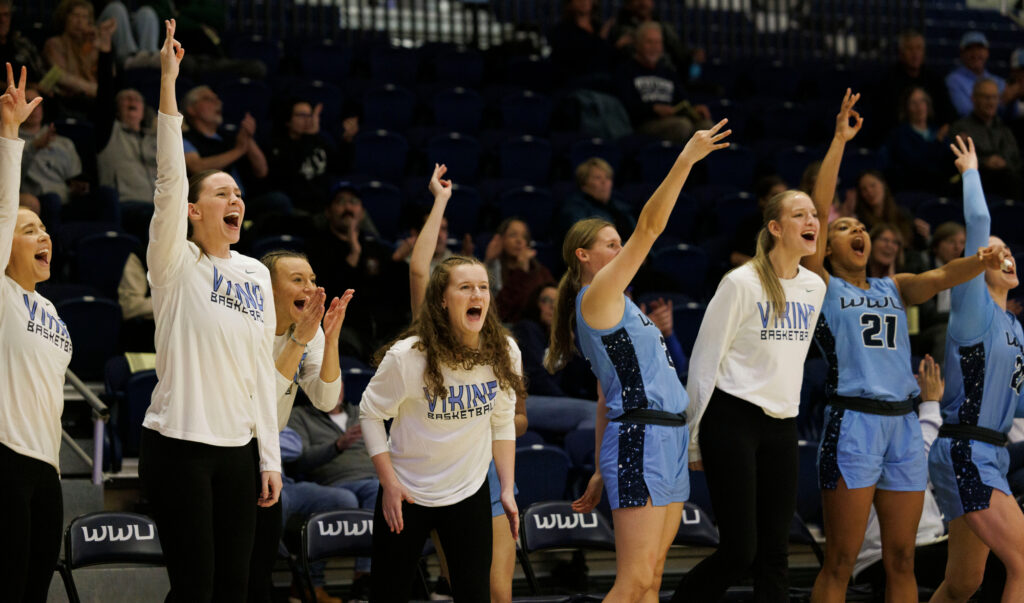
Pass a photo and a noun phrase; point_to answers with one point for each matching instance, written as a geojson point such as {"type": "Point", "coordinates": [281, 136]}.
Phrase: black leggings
{"type": "Point", "coordinates": [751, 462]}
{"type": "Point", "coordinates": [264, 553]}
{"type": "Point", "coordinates": [465, 532]}
{"type": "Point", "coordinates": [204, 503]}
{"type": "Point", "coordinates": [31, 520]}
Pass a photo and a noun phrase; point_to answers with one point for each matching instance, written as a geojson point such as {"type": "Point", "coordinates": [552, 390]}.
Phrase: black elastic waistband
{"type": "Point", "coordinates": [874, 407]}
{"type": "Point", "coordinates": [973, 432]}
{"type": "Point", "coordinates": [647, 416]}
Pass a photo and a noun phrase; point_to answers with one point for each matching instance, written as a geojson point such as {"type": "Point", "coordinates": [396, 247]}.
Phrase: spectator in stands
{"type": "Point", "coordinates": [15, 48]}
{"type": "Point", "coordinates": [136, 301]}
{"type": "Point", "coordinates": [875, 204]}
{"type": "Point", "coordinates": [579, 53]}
{"type": "Point", "coordinates": [919, 157]}
{"type": "Point", "coordinates": [346, 254]}
{"type": "Point", "coordinates": [514, 268]}
{"type": "Point", "coordinates": [50, 163]}
{"type": "Point", "coordinates": [998, 154]}
{"type": "Point", "coordinates": [137, 36]}
{"type": "Point", "coordinates": [72, 55]}
{"type": "Point", "coordinates": [652, 93]}
{"type": "Point", "coordinates": [30, 201]}
{"type": "Point", "coordinates": [127, 162]}
{"type": "Point", "coordinates": [441, 251]}
{"type": "Point", "coordinates": [34, 360]}
{"type": "Point", "coordinates": [744, 243]}
{"type": "Point", "coordinates": [595, 197]}
{"type": "Point", "coordinates": [908, 72]}
{"type": "Point", "coordinates": [621, 31]}
{"type": "Point", "coordinates": [305, 161]}
{"type": "Point", "coordinates": [1015, 110]}
{"type": "Point", "coordinates": [886, 251]}
{"type": "Point", "coordinates": [960, 81]}
{"type": "Point", "coordinates": [947, 244]}
{"type": "Point", "coordinates": [207, 149]}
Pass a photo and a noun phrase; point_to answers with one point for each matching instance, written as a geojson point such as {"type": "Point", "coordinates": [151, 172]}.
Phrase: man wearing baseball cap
{"type": "Point", "coordinates": [960, 81]}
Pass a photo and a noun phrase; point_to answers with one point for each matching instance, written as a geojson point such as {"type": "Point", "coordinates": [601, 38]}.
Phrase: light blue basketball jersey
{"type": "Point", "coordinates": [863, 336]}
{"type": "Point", "coordinates": [632, 363]}
{"type": "Point", "coordinates": [985, 376]}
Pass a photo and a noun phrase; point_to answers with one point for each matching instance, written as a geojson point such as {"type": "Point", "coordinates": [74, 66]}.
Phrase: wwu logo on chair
{"type": "Point", "coordinates": [118, 534]}
{"type": "Point", "coordinates": [346, 528]}
{"type": "Point", "coordinates": [566, 522]}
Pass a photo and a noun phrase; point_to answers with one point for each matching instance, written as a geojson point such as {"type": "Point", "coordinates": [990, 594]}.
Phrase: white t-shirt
{"type": "Point", "coordinates": [215, 325]}
{"type": "Point", "coordinates": [323, 395]}
{"type": "Point", "coordinates": [35, 347]}
{"type": "Point", "coordinates": [440, 449]}
{"type": "Point", "coordinates": [744, 350]}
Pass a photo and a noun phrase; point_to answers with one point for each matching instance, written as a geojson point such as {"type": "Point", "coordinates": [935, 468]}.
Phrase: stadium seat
{"type": "Point", "coordinates": [100, 259]}
{"type": "Point", "coordinates": [341, 533]}
{"type": "Point", "coordinates": [656, 159]}
{"type": "Point", "coordinates": [527, 112]}
{"type": "Point", "coordinates": [686, 319]}
{"type": "Point", "coordinates": [380, 154]}
{"type": "Point", "coordinates": [459, 110]}
{"type": "Point", "coordinates": [696, 528]}
{"type": "Point", "coordinates": [731, 210]}
{"type": "Point", "coordinates": [326, 61]}
{"type": "Point", "coordinates": [258, 48]}
{"type": "Point", "coordinates": [594, 147]}
{"type": "Point", "coordinates": [529, 438]}
{"type": "Point", "coordinates": [262, 246]}
{"type": "Point", "coordinates": [733, 166]}
{"type": "Point", "coordinates": [383, 201]}
{"type": "Point", "coordinates": [355, 381]}
{"type": "Point", "coordinates": [784, 120]}
{"type": "Point", "coordinates": [533, 205]}
{"type": "Point", "coordinates": [94, 325]}
{"type": "Point", "coordinates": [792, 162]}
{"type": "Point", "coordinates": [526, 158]}
{"type": "Point", "coordinates": [685, 265]}
{"type": "Point", "coordinates": [1007, 221]}
{"type": "Point", "coordinates": [459, 152]}
{"type": "Point", "coordinates": [553, 526]}
{"type": "Point", "coordinates": [463, 212]}
{"type": "Point", "coordinates": [459, 67]}
{"type": "Point", "coordinates": [138, 393]}
{"type": "Point", "coordinates": [855, 162]}
{"type": "Point", "coordinates": [541, 474]}
{"type": "Point", "coordinates": [579, 445]}
{"type": "Point", "coordinates": [394, 64]}
{"type": "Point", "coordinates": [939, 210]}
{"type": "Point", "coordinates": [243, 96]}
{"type": "Point", "coordinates": [82, 133]}
{"type": "Point", "coordinates": [114, 537]}
{"type": "Point", "coordinates": [388, 107]}
{"type": "Point", "coordinates": [530, 71]}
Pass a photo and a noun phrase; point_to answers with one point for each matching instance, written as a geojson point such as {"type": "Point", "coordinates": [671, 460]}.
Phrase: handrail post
{"type": "Point", "coordinates": [97, 449]}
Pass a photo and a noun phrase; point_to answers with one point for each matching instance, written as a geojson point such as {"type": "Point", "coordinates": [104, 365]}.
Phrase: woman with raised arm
{"type": "Point", "coordinates": [306, 356]}
{"type": "Point", "coordinates": [744, 386]}
{"type": "Point", "coordinates": [641, 435]}
{"type": "Point", "coordinates": [503, 549]}
{"type": "Point", "coordinates": [871, 448]}
{"type": "Point", "coordinates": [450, 383]}
{"type": "Point", "coordinates": [209, 440]}
{"type": "Point", "coordinates": [984, 384]}
{"type": "Point", "coordinates": [35, 350]}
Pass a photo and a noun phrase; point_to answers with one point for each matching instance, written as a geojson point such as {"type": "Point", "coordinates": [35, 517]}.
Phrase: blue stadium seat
{"type": "Point", "coordinates": [388, 107]}
{"type": "Point", "coordinates": [459, 109]}
{"type": "Point", "coordinates": [530, 71]}
{"type": "Point", "coordinates": [941, 210]}
{"type": "Point", "coordinates": [383, 201]}
{"type": "Point", "coordinates": [463, 211]}
{"type": "Point", "coordinates": [541, 474]}
{"type": "Point", "coordinates": [326, 61]}
{"type": "Point", "coordinates": [684, 265]}
{"type": "Point", "coordinates": [460, 153]}
{"type": "Point", "coordinates": [529, 438]}
{"type": "Point", "coordinates": [792, 162]}
{"type": "Point", "coordinates": [696, 528]}
{"type": "Point", "coordinates": [82, 133]}
{"type": "Point", "coordinates": [554, 525]}
{"type": "Point", "coordinates": [94, 325]}
{"type": "Point", "coordinates": [100, 259]}
{"type": "Point", "coordinates": [784, 120]}
{"type": "Point", "coordinates": [341, 533]}
{"type": "Point", "coordinates": [637, 194]}
{"type": "Point", "coordinates": [855, 162]}
{"type": "Point", "coordinates": [111, 537]}
{"type": "Point", "coordinates": [262, 246]}
{"type": "Point", "coordinates": [459, 67]}
{"type": "Point", "coordinates": [258, 48]}
{"type": "Point", "coordinates": [579, 445]}
{"type": "Point", "coordinates": [243, 96]}
{"type": "Point", "coordinates": [683, 219]}
{"type": "Point", "coordinates": [527, 112]}
{"type": "Point", "coordinates": [912, 199]}
{"type": "Point", "coordinates": [532, 205]}
{"type": "Point", "coordinates": [732, 210]}
{"type": "Point", "coordinates": [381, 154]}
{"type": "Point", "coordinates": [656, 159]}
{"type": "Point", "coordinates": [138, 393]}
{"type": "Point", "coordinates": [394, 64]}
{"type": "Point", "coordinates": [1008, 221]}
{"type": "Point", "coordinates": [526, 158]}
{"type": "Point", "coordinates": [686, 319]}
{"type": "Point", "coordinates": [584, 149]}
{"type": "Point", "coordinates": [355, 381]}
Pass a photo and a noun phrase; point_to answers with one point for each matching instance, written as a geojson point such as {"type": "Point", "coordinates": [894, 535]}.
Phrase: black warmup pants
{"type": "Point", "coordinates": [465, 532]}
{"type": "Point", "coordinates": [264, 553]}
{"type": "Point", "coordinates": [751, 462]}
{"type": "Point", "coordinates": [204, 503]}
{"type": "Point", "coordinates": [31, 521]}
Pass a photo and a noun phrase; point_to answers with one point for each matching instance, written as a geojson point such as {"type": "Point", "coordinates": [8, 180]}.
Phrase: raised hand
{"type": "Point", "coordinates": [704, 142]}
{"type": "Point", "coordinates": [844, 129]}
{"type": "Point", "coordinates": [171, 53]}
{"type": "Point", "coordinates": [966, 157]}
{"type": "Point", "coordinates": [312, 312]}
{"type": "Point", "coordinates": [441, 189]}
{"type": "Point", "coordinates": [105, 34]}
{"type": "Point", "coordinates": [13, 108]}
{"type": "Point", "coordinates": [993, 256]}
{"type": "Point", "coordinates": [929, 379]}
{"type": "Point", "coordinates": [335, 316]}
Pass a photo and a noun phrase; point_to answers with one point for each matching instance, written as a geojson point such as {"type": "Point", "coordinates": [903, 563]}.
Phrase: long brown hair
{"type": "Point", "coordinates": [761, 263]}
{"type": "Point", "coordinates": [581, 236]}
{"type": "Point", "coordinates": [441, 347]}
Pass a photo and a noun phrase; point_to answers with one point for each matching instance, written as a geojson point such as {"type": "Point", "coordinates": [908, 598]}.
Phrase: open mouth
{"type": "Point", "coordinates": [857, 244]}
{"type": "Point", "coordinates": [809, 236]}
{"type": "Point", "coordinates": [475, 313]}
{"type": "Point", "coordinates": [300, 303]}
{"type": "Point", "coordinates": [43, 256]}
{"type": "Point", "coordinates": [233, 219]}
{"type": "Point", "coordinates": [1008, 266]}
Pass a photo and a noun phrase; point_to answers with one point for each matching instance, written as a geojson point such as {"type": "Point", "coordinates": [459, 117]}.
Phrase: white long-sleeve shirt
{"type": "Point", "coordinates": [322, 394]}
{"type": "Point", "coordinates": [440, 448]}
{"type": "Point", "coordinates": [215, 325]}
{"type": "Point", "coordinates": [744, 350]}
{"type": "Point", "coordinates": [35, 347]}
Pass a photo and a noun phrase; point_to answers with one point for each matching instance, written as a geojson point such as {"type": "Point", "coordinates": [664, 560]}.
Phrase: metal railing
{"type": "Point", "coordinates": [100, 415]}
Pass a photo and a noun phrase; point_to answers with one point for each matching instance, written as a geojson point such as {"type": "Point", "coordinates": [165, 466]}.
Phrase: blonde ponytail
{"type": "Point", "coordinates": [761, 263]}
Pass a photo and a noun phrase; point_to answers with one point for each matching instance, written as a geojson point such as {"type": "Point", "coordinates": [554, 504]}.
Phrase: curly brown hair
{"type": "Point", "coordinates": [441, 346]}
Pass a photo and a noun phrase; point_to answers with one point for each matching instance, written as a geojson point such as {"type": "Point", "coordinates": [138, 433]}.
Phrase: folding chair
{"type": "Point", "coordinates": [554, 525]}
